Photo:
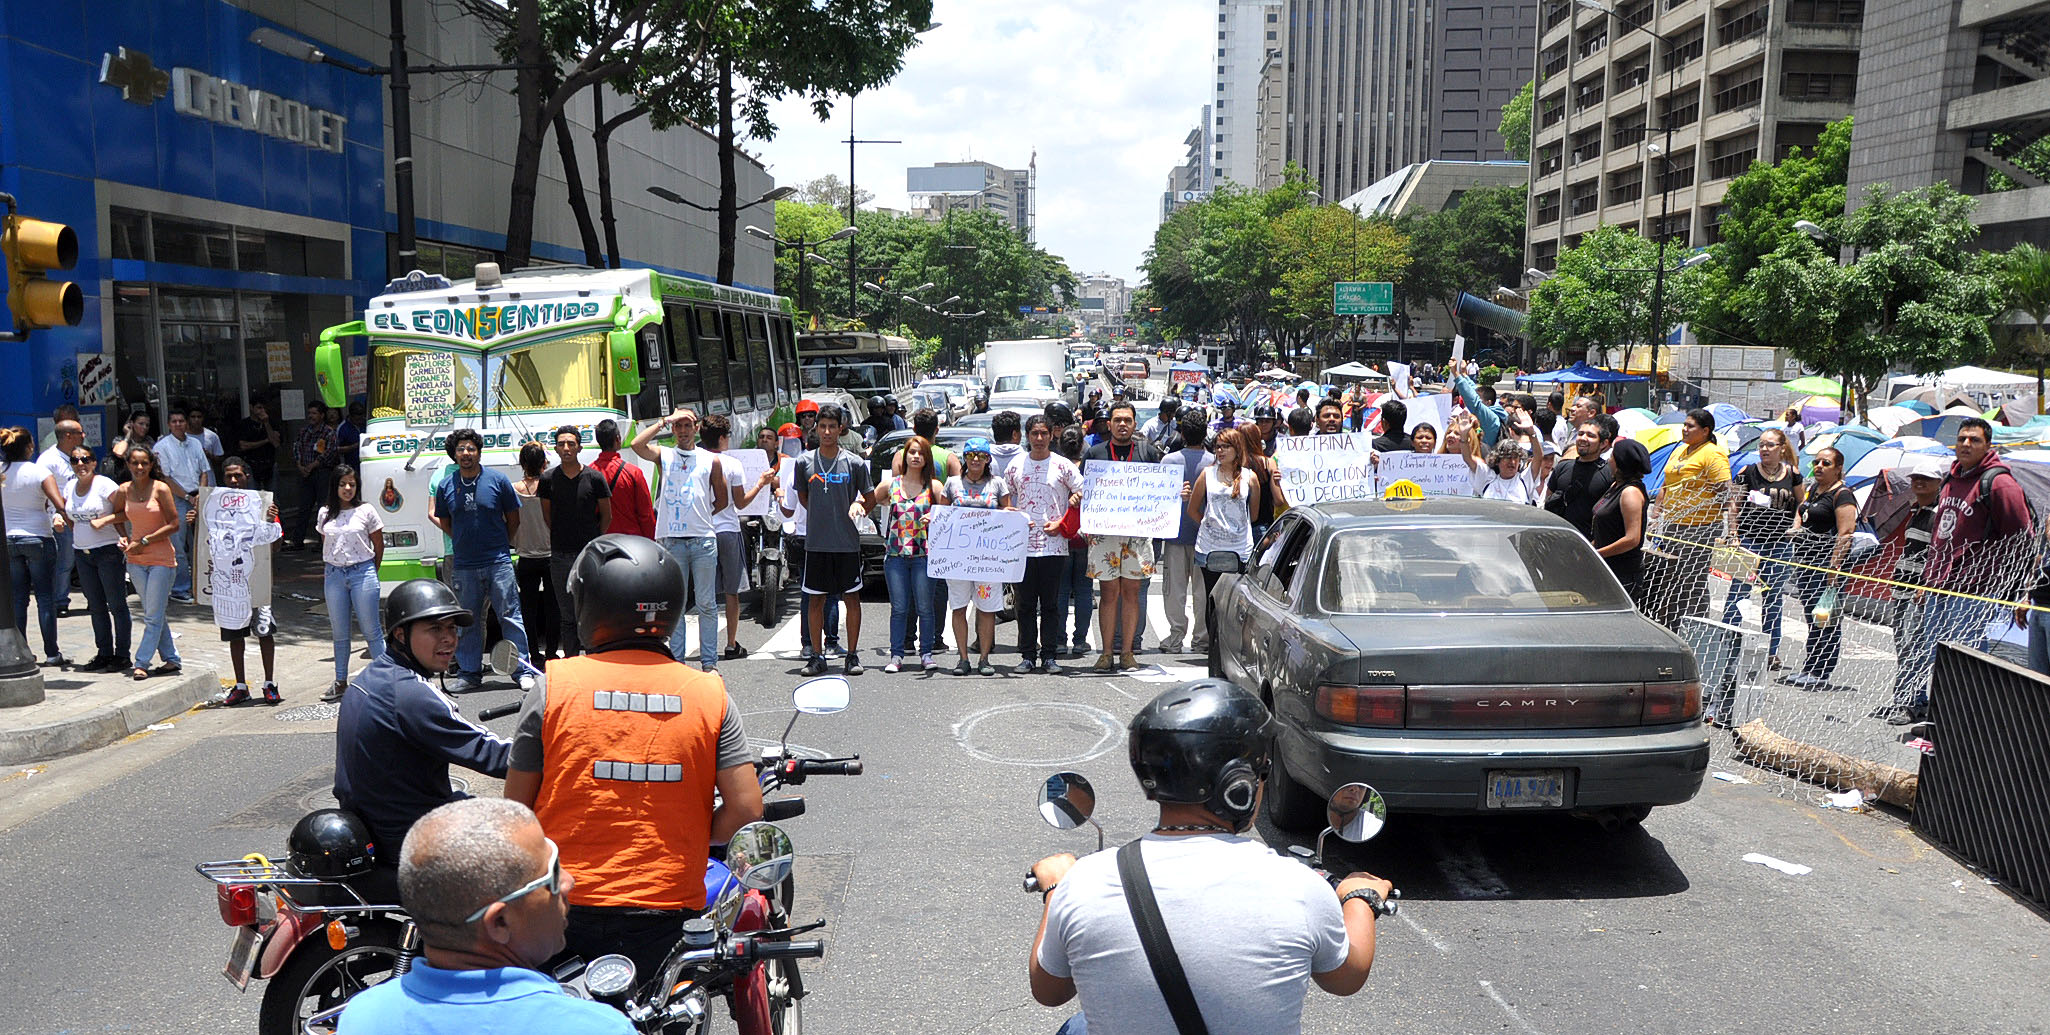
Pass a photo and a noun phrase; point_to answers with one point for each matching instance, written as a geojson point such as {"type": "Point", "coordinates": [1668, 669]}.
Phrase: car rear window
{"type": "Point", "coordinates": [1466, 570]}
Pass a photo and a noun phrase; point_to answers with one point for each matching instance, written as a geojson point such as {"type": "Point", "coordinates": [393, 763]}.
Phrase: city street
{"type": "Point", "coordinates": [1527, 925]}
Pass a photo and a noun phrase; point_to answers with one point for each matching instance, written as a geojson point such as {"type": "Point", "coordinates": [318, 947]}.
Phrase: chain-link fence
{"type": "Point", "coordinates": [1816, 649]}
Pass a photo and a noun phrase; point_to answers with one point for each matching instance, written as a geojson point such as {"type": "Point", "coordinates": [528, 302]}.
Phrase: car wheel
{"type": "Point", "coordinates": [1289, 804]}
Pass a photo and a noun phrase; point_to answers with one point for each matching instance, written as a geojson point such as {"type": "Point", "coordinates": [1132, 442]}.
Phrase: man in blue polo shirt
{"type": "Point", "coordinates": [489, 894]}
{"type": "Point", "coordinates": [478, 509]}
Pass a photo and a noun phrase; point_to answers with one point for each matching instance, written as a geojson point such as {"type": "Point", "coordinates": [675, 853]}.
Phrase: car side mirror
{"type": "Point", "coordinates": [1224, 562]}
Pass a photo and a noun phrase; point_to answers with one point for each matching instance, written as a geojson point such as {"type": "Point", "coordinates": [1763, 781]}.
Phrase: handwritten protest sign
{"type": "Point", "coordinates": [1440, 474]}
{"type": "Point", "coordinates": [1435, 410]}
{"type": "Point", "coordinates": [430, 388]}
{"type": "Point", "coordinates": [1131, 499]}
{"type": "Point", "coordinates": [1325, 468]}
{"type": "Point", "coordinates": [976, 544]}
{"type": "Point", "coordinates": [752, 463]}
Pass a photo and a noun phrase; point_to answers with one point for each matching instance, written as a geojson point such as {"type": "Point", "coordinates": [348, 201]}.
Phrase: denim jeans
{"type": "Point", "coordinates": [699, 556]}
{"type": "Point", "coordinates": [352, 590]}
{"type": "Point", "coordinates": [910, 590]}
{"type": "Point", "coordinates": [1075, 596]}
{"type": "Point", "coordinates": [100, 571]}
{"type": "Point", "coordinates": [1945, 619]}
{"type": "Point", "coordinates": [181, 551]}
{"type": "Point", "coordinates": [1771, 551]}
{"type": "Point", "coordinates": [65, 560]}
{"type": "Point", "coordinates": [2039, 642]}
{"type": "Point", "coordinates": [153, 586]}
{"type": "Point", "coordinates": [473, 586]}
{"type": "Point", "coordinates": [33, 561]}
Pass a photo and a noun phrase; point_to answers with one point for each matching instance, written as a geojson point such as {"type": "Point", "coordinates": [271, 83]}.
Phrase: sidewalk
{"type": "Point", "coordinates": [83, 710]}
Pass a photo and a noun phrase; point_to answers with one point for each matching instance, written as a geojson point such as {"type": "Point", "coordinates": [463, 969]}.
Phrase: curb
{"type": "Point", "coordinates": [109, 722]}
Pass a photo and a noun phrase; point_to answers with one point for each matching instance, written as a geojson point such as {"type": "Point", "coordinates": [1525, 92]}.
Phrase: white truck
{"type": "Point", "coordinates": [1024, 374]}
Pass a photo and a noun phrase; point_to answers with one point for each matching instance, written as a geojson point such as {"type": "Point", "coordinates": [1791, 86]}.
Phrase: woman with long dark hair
{"type": "Point", "coordinates": [101, 569]}
{"type": "Point", "coordinates": [1619, 517]}
{"type": "Point", "coordinates": [152, 513]}
{"type": "Point", "coordinates": [1822, 536]}
{"type": "Point", "coordinates": [1222, 500]}
{"type": "Point", "coordinates": [530, 568]}
{"type": "Point", "coordinates": [909, 498]}
{"type": "Point", "coordinates": [35, 513]}
{"type": "Point", "coordinates": [1767, 497]}
{"type": "Point", "coordinates": [351, 548]}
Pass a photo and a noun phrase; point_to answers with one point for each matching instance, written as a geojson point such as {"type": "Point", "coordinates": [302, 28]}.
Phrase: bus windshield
{"type": "Point", "coordinates": [433, 387]}
{"type": "Point", "coordinates": [856, 376]}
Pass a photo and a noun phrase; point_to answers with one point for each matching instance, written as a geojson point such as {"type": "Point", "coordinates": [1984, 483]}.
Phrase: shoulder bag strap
{"type": "Point", "coordinates": [1160, 954]}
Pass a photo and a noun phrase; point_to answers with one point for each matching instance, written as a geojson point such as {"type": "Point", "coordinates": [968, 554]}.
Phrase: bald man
{"type": "Point", "coordinates": [487, 891]}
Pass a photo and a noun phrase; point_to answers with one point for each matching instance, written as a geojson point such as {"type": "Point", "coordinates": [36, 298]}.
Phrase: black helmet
{"type": "Point", "coordinates": [1208, 742]}
{"type": "Point", "coordinates": [422, 599]}
{"type": "Point", "coordinates": [1266, 412]}
{"type": "Point", "coordinates": [1170, 404]}
{"type": "Point", "coordinates": [877, 402]}
{"type": "Point", "coordinates": [1060, 413]}
{"type": "Point", "coordinates": [329, 843]}
{"type": "Point", "coordinates": [628, 591]}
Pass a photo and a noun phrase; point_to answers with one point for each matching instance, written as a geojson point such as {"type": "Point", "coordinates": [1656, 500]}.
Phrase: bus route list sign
{"type": "Point", "coordinates": [1362, 298]}
{"type": "Point", "coordinates": [430, 388]}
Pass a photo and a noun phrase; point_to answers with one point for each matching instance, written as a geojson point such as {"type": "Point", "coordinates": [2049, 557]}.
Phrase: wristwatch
{"type": "Point", "coordinates": [1373, 898]}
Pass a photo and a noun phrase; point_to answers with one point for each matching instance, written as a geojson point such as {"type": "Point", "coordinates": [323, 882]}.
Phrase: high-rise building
{"type": "Point", "coordinates": [1955, 92]}
{"type": "Point", "coordinates": [977, 187]}
{"type": "Point", "coordinates": [1247, 32]}
{"type": "Point", "coordinates": [1365, 87]}
{"type": "Point", "coordinates": [1194, 178]}
{"type": "Point", "coordinates": [1646, 131]}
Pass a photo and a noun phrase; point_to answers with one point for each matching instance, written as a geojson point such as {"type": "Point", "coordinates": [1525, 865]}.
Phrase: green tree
{"type": "Point", "coordinates": [1601, 294]}
{"type": "Point", "coordinates": [1914, 295]}
{"type": "Point", "coordinates": [1318, 247]}
{"type": "Point", "coordinates": [1764, 203]}
{"type": "Point", "coordinates": [2025, 285]}
{"type": "Point", "coordinates": [1476, 245]}
{"type": "Point", "coordinates": [1515, 125]}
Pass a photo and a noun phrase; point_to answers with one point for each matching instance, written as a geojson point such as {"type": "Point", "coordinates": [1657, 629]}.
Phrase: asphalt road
{"type": "Point", "coordinates": [1521, 926]}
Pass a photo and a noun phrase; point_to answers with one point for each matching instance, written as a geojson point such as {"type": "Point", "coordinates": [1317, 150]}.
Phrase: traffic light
{"type": "Point", "coordinates": [1152, 308]}
{"type": "Point", "coordinates": [34, 248]}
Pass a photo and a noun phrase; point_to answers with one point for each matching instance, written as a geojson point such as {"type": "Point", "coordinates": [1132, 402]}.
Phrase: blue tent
{"type": "Point", "coordinates": [1656, 480]}
{"type": "Point", "coordinates": [1198, 367]}
{"type": "Point", "coordinates": [1580, 373]}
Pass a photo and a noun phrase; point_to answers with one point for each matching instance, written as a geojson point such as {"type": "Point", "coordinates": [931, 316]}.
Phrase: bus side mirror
{"type": "Point", "coordinates": [330, 373]}
{"type": "Point", "coordinates": [626, 363]}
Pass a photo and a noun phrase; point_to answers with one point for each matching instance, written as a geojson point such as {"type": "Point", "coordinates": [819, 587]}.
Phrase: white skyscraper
{"type": "Point", "coordinates": [1246, 31]}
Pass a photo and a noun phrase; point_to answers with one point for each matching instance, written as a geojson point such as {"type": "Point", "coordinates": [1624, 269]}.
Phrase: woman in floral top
{"type": "Point", "coordinates": [909, 498]}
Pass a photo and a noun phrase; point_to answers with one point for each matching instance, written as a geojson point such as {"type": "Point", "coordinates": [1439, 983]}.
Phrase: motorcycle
{"type": "Point", "coordinates": [763, 539]}
{"type": "Point", "coordinates": [318, 941]}
{"type": "Point", "coordinates": [1355, 813]}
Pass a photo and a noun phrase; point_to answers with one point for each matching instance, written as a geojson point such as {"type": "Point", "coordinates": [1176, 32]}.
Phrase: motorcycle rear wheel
{"type": "Point", "coordinates": [319, 978]}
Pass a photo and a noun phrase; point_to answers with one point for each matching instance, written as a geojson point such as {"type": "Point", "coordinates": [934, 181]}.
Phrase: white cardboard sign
{"type": "Point", "coordinates": [1438, 474]}
{"type": "Point", "coordinates": [1123, 498]}
{"type": "Point", "coordinates": [975, 543]}
{"type": "Point", "coordinates": [1325, 468]}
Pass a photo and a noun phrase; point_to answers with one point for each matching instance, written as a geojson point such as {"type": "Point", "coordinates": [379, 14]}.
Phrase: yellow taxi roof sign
{"type": "Point", "coordinates": [1403, 490]}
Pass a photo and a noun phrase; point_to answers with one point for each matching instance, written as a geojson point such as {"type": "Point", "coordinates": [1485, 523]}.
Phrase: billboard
{"type": "Point", "coordinates": [953, 179]}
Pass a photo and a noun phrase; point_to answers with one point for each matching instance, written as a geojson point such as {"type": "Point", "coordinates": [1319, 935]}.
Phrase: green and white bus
{"type": "Point", "coordinates": [517, 356]}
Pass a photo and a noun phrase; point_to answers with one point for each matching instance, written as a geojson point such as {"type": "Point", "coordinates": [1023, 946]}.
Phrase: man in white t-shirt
{"type": "Point", "coordinates": [1044, 485]}
{"type": "Point", "coordinates": [57, 460]}
{"type": "Point", "coordinates": [693, 490]}
{"type": "Point", "coordinates": [182, 461]}
{"type": "Point", "coordinates": [1248, 926]}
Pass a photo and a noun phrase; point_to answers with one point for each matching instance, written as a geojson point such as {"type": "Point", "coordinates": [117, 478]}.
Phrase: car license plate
{"type": "Point", "coordinates": [241, 958]}
{"type": "Point", "coordinates": [1526, 788]}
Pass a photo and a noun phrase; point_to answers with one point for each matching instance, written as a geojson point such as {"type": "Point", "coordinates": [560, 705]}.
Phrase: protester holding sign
{"type": "Point", "coordinates": [1223, 501]}
{"type": "Point", "coordinates": [976, 488]}
{"type": "Point", "coordinates": [1044, 487]}
{"type": "Point", "coordinates": [1121, 563]}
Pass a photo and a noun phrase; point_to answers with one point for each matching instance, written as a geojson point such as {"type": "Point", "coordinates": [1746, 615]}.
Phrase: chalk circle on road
{"type": "Point", "coordinates": [1038, 733]}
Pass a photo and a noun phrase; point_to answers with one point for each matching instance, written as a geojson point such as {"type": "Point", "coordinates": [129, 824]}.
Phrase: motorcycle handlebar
{"type": "Point", "coordinates": [832, 767]}
{"type": "Point", "coordinates": [789, 950]}
{"type": "Point", "coordinates": [782, 808]}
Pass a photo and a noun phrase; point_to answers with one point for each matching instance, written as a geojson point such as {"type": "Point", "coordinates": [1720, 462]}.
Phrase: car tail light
{"type": "Point", "coordinates": [238, 904]}
{"type": "Point", "coordinates": [1383, 706]}
{"type": "Point", "coordinates": [1671, 702]}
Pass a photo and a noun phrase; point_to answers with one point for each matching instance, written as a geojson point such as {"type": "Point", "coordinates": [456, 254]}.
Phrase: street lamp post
{"type": "Point", "coordinates": [666, 194]}
{"type": "Point", "coordinates": [398, 72]}
{"type": "Point", "coordinates": [804, 257]}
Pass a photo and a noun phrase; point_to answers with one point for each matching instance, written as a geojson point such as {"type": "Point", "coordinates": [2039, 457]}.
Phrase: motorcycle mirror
{"type": "Point", "coordinates": [760, 855]}
{"type": "Point", "coordinates": [506, 661]}
{"type": "Point", "coordinates": [1356, 812]}
{"type": "Point", "coordinates": [822, 696]}
{"type": "Point", "coordinates": [1066, 800]}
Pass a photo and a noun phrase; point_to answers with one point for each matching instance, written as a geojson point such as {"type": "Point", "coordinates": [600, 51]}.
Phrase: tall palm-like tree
{"type": "Point", "coordinates": [2025, 279]}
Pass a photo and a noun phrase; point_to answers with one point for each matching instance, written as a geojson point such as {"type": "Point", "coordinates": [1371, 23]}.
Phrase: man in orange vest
{"type": "Point", "coordinates": [619, 751]}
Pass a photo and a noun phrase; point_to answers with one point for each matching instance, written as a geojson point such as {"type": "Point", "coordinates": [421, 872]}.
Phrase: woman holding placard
{"type": "Point", "coordinates": [910, 497]}
{"type": "Point", "coordinates": [975, 486]}
{"type": "Point", "coordinates": [1223, 501]}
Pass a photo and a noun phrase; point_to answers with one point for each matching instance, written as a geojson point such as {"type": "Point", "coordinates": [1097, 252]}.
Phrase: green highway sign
{"type": "Point", "coordinates": [1362, 298]}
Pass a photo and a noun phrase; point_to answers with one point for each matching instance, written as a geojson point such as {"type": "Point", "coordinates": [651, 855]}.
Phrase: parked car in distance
{"type": "Point", "coordinates": [1465, 656]}
{"type": "Point", "coordinates": [959, 399]}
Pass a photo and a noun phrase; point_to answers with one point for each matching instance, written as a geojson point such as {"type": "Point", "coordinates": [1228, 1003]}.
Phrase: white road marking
{"type": "Point", "coordinates": [786, 643]}
{"type": "Point", "coordinates": [1443, 949]}
{"type": "Point", "coordinates": [1112, 731]}
{"type": "Point", "coordinates": [1521, 1024]}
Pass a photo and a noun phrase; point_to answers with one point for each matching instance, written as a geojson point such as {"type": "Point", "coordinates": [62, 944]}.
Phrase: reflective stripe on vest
{"type": "Point", "coordinates": [627, 774]}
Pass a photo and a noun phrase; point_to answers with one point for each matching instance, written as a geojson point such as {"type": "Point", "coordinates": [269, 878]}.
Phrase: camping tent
{"type": "Point", "coordinates": [1356, 371]}
{"type": "Point", "coordinates": [1964, 379]}
{"type": "Point", "coordinates": [1579, 373]}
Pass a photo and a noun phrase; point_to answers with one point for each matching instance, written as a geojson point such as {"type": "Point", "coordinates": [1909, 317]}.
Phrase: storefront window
{"type": "Point", "coordinates": [192, 243]}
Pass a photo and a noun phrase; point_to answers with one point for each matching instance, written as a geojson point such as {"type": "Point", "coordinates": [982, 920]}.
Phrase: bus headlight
{"type": "Point", "coordinates": [401, 539]}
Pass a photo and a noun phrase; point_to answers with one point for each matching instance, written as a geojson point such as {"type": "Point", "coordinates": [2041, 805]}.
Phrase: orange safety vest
{"type": "Point", "coordinates": [630, 750]}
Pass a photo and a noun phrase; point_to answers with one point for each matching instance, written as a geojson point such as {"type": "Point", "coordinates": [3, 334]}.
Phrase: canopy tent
{"type": "Point", "coordinates": [1738, 437]}
{"type": "Point", "coordinates": [1356, 371]}
{"type": "Point", "coordinates": [1918, 405]}
{"type": "Point", "coordinates": [1633, 419]}
{"type": "Point", "coordinates": [1655, 481]}
{"type": "Point", "coordinates": [1580, 373]}
{"type": "Point", "coordinates": [1964, 379]}
{"type": "Point", "coordinates": [1672, 417]}
{"type": "Point", "coordinates": [1819, 410]}
{"type": "Point", "coordinates": [1885, 457]}
{"type": "Point", "coordinates": [1197, 367]}
{"type": "Point", "coordinates": [1889, 419]}
{"type": "Point", "coordinates": [1656, 436]}
{"type": "Point", "coordinates": [1276, 374]}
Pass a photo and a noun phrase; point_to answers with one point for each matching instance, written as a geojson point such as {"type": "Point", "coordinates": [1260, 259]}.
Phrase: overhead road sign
{"type": "Point", "coordinates": [1363, 298]}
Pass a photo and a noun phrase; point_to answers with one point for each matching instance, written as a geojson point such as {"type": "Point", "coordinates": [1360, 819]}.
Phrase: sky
{"type": "Point", "coordinates": [1105, 90]}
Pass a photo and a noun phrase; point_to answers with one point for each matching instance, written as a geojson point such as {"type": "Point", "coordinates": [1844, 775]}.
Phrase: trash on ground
{"type": "Point", "coordinates": [1922, 744]}
{"type": "Point", "coordinates": [159, 727]}
{"type": "Point", "coordinates": [1853, 800]}
{"type": "Point", "coordinates": [1729, 777]}
{"type": "Point", "coordinates": [302, 596]}
{"type": "Point", "coordinates": [1790, 869]}
{"type": "Point", "coordinates": [1958, 884]}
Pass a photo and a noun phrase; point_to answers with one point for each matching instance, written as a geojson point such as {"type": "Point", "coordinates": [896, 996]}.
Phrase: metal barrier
{"type": "Point", "coordinates": [1983, 788]}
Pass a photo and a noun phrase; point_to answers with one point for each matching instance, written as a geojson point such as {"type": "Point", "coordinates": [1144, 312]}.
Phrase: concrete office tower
{"type": "Point", "coordinates": [978, 186]}
{"type": "Point", "coordinates": [1192, 180]}
{"type": "Point", "coordinates": [1959, 93]}
{"type": "Point", "coordinates": [1358, 89]}
{"type": "Point", "coordinates": [1247, 32]}
{"type": "Point", "coordinates": [1733, 81]}
{"type": "Point", "coordinates": [1481, 55]}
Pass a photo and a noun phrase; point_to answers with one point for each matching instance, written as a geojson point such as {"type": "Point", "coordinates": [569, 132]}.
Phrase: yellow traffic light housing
{"type": "Point", "coordinates": [33, 248]}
